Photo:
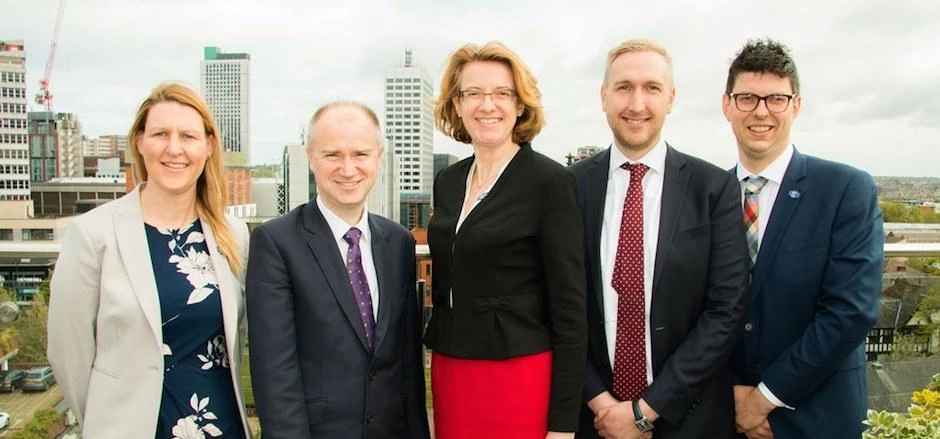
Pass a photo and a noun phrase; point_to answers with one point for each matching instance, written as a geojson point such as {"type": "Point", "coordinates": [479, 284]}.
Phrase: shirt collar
{"type": "Point", "coordinates": [773, 172]}
{"type": "Point", "coordinates": [655, 159]}
{"type": "Point", "coordinates": [339, 227]}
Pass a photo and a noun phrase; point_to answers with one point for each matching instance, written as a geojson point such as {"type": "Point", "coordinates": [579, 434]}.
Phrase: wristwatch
{"type": "Point", "coordinates": [642, 424]}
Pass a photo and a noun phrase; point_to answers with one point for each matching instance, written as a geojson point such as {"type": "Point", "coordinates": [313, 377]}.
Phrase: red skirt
{"type": "Point", "coordinates": [491, 398]}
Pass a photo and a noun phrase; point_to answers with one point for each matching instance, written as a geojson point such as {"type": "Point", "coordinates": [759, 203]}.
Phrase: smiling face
{"type": "Point", "coordinates": [174, 147]}
{"type": "Point", "coordinates": [637, 94]}
{"type": "Point", "coordinates": [344, 156]}
{"type": "Point", "coordinates": [761, 135]}
{"type": "Point", "coordinates": [487, 104]}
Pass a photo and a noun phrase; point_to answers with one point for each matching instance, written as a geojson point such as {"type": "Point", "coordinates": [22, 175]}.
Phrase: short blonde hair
{"type": "Point", "coordinates": [633, 46]}
{"type": "Point", "coordinates": [528, 125]}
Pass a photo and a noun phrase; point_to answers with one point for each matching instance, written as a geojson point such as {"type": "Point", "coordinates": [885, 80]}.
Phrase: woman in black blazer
{"type": "Point", "coordinates": [508, 329]}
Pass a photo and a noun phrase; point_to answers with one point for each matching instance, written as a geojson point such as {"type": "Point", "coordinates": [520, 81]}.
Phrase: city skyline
{"type": "Point", "coordinates": [867, 76]}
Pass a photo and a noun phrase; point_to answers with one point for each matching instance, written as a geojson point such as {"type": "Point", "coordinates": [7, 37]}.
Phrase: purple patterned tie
{"type": "Point", "coordinates": [360, 286]}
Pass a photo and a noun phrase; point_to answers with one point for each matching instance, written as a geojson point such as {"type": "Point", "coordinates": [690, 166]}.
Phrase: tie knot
{"type": "Point", "coordinates": [753, 185]}
{"type": "Point", "coordinates": [352, 236]}
{"type": "Point", "coordinates": [637, 170]}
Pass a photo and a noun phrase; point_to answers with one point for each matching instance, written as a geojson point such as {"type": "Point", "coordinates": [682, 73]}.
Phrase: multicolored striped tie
{"type": "Point", "coordinates": [752, 187]}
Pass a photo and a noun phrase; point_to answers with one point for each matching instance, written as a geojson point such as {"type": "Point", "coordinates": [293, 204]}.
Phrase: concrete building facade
{"type": "Point", "coordinates": [225, 82]}
{"type": "Point", "coordinates": [299, 186]}
{"type": "Point", "coordinates": [72, 196]}
{"type": "Point", "coordinates": [14, 143]}
{"type": "Point", "coordinates": [109, 145]}
{"type": "Point", "coordinates": [409, 124]}
{"type": "Point", "coordinates": [56, 146]}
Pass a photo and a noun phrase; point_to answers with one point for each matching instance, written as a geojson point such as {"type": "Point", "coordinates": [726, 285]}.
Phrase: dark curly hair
{"type": "Point", "coordinates": [764, 56]}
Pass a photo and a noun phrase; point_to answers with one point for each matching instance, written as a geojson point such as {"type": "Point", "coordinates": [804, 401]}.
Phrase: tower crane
{"type": "Point", "coordinates": [44, 96]}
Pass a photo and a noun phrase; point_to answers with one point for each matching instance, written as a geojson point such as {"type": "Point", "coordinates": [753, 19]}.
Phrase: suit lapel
{"type": "Point", "coordinates": [675, 181]}
{"type": "Point", "coordinates": [228, 287]}
{"type": "Point", "coordinates": [324, 248]}
{"type": "Point", "coordinates": [382, 259]}
{"type": "Point", "coordinates": [595, 184]}
{"type": "Point", "coordinates": [788, 198]}
{"type": "Point", "coordinates": [135, 255]}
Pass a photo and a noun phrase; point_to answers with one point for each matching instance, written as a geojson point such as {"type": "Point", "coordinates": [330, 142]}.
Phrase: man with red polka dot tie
{"type": "Point", "coordinates": [667, 267]}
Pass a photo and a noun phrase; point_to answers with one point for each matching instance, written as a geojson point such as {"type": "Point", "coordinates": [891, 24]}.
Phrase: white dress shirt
{"type": "Point", "coordinates": [618, 180]}
{"type": "Point", "coordinates": [339, 227]}
{"type": "Point", "coordinates": [765, 205]}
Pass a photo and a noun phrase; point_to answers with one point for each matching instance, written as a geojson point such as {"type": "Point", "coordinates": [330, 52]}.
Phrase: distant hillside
{"type": "Point", "coordinates": [909, 188]}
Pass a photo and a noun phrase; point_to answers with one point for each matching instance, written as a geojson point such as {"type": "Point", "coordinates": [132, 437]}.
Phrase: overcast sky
{"type": "Point", "coordinates": [869, 68]}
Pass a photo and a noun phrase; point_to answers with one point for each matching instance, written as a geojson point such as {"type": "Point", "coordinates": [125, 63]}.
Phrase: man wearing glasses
{"type": "Point", "coordinates": [814, 233]}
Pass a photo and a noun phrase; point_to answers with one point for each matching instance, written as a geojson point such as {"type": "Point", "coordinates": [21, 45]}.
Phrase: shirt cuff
{"type": "Point", "coordinates": [771, 397]}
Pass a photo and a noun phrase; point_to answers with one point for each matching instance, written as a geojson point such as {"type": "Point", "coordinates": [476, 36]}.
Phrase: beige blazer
{"type": "Point", "coordinates": [105, 336]}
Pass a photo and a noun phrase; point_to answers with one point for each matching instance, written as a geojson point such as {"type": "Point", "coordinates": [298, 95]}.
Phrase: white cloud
{"type": "Point", "coordinates": [867, 67]}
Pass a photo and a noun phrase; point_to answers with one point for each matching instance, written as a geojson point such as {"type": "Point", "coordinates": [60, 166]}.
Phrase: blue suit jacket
{"type": "Point", "coordinates": [814, 295]}
{"type": "Point", "coordinates": [312, 373]}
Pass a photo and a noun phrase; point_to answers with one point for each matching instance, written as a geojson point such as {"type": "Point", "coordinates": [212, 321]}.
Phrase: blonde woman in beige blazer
{"type": "Point", "coordinates": [119, 293]}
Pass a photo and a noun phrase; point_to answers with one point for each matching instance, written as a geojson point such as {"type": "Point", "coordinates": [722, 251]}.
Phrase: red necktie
{"type": "Point", "coordinates": [630, 348]}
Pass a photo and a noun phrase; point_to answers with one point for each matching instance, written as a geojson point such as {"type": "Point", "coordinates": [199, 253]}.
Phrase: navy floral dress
{"type": "Point", "coordinates": [198, 398]}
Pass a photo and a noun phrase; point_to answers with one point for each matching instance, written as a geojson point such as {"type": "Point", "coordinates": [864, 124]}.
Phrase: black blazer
{"type": "Point", "coordinates": [312, 374]}
{"type": "Point", "coordinates": [697, 309]}
{"type": "Point", "coordinates": [516, 270]}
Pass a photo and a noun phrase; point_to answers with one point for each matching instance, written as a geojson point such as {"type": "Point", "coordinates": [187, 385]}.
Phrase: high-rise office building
{"type": "Point", "coordinates": [409, 122]}
{"type": "Point", "coordinates": [297, 180]}
{"type": "Point", "coordinates": [442, 161]}
{"type": "Point", "coordinates": [225, 81]}
{"type": "Point", "coordinates": [56, 146]}
{"type": "Point", "coordinates": [14, 143]}
{"type": "Point", "coordinates": [384, 199]}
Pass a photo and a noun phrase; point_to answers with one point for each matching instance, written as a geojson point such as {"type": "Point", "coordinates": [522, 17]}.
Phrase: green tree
{"type": "Point", "coordinates": [928, 310]}
{"type": "Point", "coordinates": [31, 327]}
{"type": "Point", "coordinates": [901, 213]}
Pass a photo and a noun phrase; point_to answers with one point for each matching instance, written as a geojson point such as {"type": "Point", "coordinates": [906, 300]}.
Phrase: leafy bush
{"type": "Point", "coordinates": [921, 422]}
{"type": "Point", "coordinates": [41, 426]}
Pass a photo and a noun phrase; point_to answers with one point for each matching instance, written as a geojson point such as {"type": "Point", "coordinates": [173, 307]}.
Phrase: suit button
{"type": "Point", "coordinates": [369, 418]}
{"type": "Point", "coordinates": [748, 327]}
{"type": "Point", "coordinates": [372, 376]}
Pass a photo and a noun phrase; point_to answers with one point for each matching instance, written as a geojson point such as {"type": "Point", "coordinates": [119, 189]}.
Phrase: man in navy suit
{"type": "Point", "coordinates": [334, 324]}
{"type": "Point", "coordinates": [815, 236]}
{"type": "Point", "coordinates": [659, 343]}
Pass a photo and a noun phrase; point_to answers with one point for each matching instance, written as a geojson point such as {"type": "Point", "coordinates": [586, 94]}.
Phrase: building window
{"type": "Point", "coordinates": [6, 234]}
{"type": "Point", "coordinates": [38, 235]}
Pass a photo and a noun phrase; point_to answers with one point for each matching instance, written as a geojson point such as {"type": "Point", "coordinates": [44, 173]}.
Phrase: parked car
{"type": "Point", "coordinates": [11, 380]}
{"type": "Point", "coordinates": [4, 420]}
{"type": "Point", "coordinates": [38, 378]}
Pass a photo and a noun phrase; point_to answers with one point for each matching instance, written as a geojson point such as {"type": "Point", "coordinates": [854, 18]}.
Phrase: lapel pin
{"type": "Point", "coordinates": [794, 194]}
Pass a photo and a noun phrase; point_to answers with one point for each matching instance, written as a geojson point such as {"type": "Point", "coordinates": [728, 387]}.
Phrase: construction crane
{"type": "Point", "coordinates": [44, 96]}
